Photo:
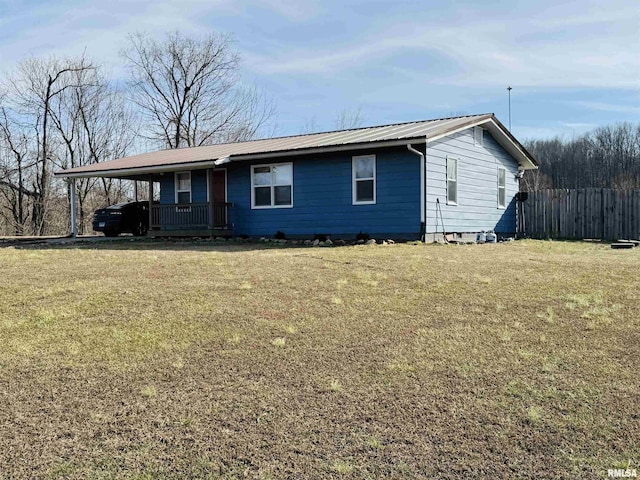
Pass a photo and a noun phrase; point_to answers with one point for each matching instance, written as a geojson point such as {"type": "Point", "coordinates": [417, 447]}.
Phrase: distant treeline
{"type": "Point", "coordinates": [607, 157]}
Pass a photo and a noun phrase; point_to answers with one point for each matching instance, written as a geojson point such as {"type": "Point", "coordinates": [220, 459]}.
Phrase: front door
{"type": "Point", "coordinates": [219, 183]}
{"type": "Point", "coordinates": [219, 186]}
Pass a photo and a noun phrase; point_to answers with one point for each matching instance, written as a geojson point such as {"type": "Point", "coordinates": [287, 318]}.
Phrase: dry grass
{"type": "Point", "coordinates": [187, 360]}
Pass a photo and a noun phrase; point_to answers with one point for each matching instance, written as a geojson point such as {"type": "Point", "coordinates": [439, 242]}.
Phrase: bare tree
{"type": "Point", "coordinates": [32, 90]}
{"type": "Point", "coordinates": [14, 167]}
{"type": "Point", "coordinates": [60, 114]}
{"type": "Point", "coordinates": [188, 90]}
{"type": "Point", "coordinates": [535, 180]}
{"type": "Point", "coordinates": [347, 119]}
{"type": "Point", "coordinates": [108, 126]}
{"type": "Point", "coordinates": [94, 125]}
{"type": "Point", "coordinates": [544, 152]}
{"type": "Point", "coordinates": [311, 125]}
{"type": "Point", "coordinates": [257, 109]}
{"type": "Point", "coordinates": [607, 157]}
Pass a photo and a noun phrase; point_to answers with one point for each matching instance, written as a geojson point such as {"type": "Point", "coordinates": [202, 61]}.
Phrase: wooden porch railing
{"type": "Point", "coordinates": [188, 216]}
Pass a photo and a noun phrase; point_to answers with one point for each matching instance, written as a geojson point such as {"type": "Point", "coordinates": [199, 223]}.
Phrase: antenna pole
{"type": "Point", "coordinates": [509, 88]}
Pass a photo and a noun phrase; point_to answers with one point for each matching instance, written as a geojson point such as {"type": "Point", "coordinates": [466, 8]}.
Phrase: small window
{"type": "Point", "coordinates": [183, 187]}
{"type": "Point", "coordinates": [272, 186]}
{"type": "Point", "coordinates": [364, 179]}
{"type": "Point", "coordinates": [502, 187]}
{"type": "Point", "coordinates": [452, 181]}
{"type": "Point", "coordinates": [478, 136]}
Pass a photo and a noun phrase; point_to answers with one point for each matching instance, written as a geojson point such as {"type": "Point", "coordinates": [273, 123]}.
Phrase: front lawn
{"type": "Point", "coordinates": [197, 360]}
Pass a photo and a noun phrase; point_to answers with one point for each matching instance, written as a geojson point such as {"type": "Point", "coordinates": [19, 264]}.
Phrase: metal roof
{"type": "Point", "coordinates": [201, 157]}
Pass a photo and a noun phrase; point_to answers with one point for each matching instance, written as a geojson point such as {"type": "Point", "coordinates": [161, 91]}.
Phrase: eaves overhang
{"type": "Point", "coordinates": [176, 167]}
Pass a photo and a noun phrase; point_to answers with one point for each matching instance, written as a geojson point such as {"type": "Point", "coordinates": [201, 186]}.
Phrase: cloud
{"type": "Point", "coordinates": [607, 107]}
{"type": "Point", "coordinates": [99, 28]}
{"type": "Point", "coordinates": [525, 133]}
{"type": "Point", "coordinates": [565, 131]}
{"type": "Point", "coordinates": [597, 48]}
{"type": "Point", "coordinates": [296, 10]}
{"type": "Point", "coordinates": [579, 126]}
{"type": "Point", "coordinates": [307, 62]}
{"type": "Point", "coordinates": [549, 44]}
{"type": "Point", "coordinates": [396, 60]}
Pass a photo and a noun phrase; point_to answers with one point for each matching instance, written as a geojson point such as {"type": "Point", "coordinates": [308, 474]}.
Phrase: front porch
{"type": "Point", "coordinates": [177, 203]}
{"type": "Point", "coordinates": [189, 219]}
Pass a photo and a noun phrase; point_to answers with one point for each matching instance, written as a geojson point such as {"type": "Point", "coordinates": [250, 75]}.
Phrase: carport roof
{"type": "Point", "coordinates": [353, 139]}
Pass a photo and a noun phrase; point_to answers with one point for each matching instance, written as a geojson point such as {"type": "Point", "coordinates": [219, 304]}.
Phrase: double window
{"type": "Point", "coordinates": [452, 181]}
{"type": "Point", "coordinates": [183, 187]}
{"type": "Point", "coordinates": [272, 186]}
{"type": "Point", "coordinates": [502, 187]}
{"type": "Point", "coordinates": [364, 179]}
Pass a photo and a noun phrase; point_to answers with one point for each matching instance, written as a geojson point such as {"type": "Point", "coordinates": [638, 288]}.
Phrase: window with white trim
{"type": "Point", "coordinates": [502, 187]}
{"type": "Point", "coordinates": [364, 179]}
{"type": "Point", "coordinates": [478, 136]}
{"type": "Point", "coordinates": [272, 186]}
{"type": "Point", "coordinates": [452, 181]}
{"type": "Point", "coordinates": [183, 187]}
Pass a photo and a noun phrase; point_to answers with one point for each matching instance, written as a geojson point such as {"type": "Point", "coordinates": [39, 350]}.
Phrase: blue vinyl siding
{"type": "Point", "coordinates": [322, 198]}
{"type": "Point", "coordinates": [322, 192]}
{"type": "Point", "coordinates": [477, 207]}
{"type": "Point", "coordinates": [167, 193]}
{"type": "Point", "coordinates": [198, 187]}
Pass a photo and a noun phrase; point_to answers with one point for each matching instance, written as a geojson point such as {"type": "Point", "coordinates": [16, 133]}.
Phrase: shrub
{"type": "Point", "coordinates": [280, 235]}
{"type": "Point", "coordinates": [321, 237]}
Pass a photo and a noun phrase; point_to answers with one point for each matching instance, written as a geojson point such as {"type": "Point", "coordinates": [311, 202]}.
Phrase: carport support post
{"type": "Point", "coordinates": [150, 202]}
{"type": "Point", "coordinates": [212, 223]}
{"type": "Point", "coordinates": [72, 199]}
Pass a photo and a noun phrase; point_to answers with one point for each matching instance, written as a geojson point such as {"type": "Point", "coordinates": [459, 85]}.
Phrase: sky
{"type": "Point", "coordinates": [573, 65]}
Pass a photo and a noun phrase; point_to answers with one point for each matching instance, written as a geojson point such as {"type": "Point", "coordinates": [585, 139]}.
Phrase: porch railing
{"type": "Point", "coordinates": [188, 216]}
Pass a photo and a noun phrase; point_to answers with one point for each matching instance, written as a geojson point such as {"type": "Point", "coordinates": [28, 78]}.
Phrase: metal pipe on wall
{"type": "Point", "coordinates": [423, 189]}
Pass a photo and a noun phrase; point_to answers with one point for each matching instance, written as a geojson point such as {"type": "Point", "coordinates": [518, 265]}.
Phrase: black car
{"type": "Point", "coordinates": [130, 217]}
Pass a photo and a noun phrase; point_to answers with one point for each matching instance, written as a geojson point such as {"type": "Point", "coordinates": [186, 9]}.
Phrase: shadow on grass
{"type": "Point", "coordinates": [142, 244]}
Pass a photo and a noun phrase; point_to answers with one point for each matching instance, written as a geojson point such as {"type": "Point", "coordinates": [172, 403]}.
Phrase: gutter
{"type": "Point", "coordinates": [423, 189]}
{"type": "Point", "coordinates": [119, 172]}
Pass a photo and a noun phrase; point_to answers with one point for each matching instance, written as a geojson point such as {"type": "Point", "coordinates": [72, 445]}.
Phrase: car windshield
{"type": "Point", "coordinates": [118, 205]}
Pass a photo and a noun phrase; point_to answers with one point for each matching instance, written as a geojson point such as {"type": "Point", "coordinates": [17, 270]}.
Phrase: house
{"type": "Point", "coordinates": [411, 180]}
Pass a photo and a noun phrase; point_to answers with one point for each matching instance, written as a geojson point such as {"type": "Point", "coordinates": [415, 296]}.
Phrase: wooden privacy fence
{"type": "Point", "coordinates": [601, 213]}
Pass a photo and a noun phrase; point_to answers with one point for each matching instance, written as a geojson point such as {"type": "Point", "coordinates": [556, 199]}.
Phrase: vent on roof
{"type": "Point", "coordinates": [478, 137]}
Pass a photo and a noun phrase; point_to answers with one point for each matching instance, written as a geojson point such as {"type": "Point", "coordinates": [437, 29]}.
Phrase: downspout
{"type": "Point", "coordinates": [423, 186]}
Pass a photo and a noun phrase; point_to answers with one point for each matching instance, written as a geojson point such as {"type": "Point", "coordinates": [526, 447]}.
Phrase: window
{"type": "Point", "coordinates": [183, 187]}
{"type": "Point", "coordinates": [272, 186]}
{"type": "Point", "coordinates": [502, 187]}
{"type": "Point", "coordinates": [478, 136]}
{"type": "Point", "coordinates": [364, 179]}
{"type": "Point", "coordinates": [452, 181]}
